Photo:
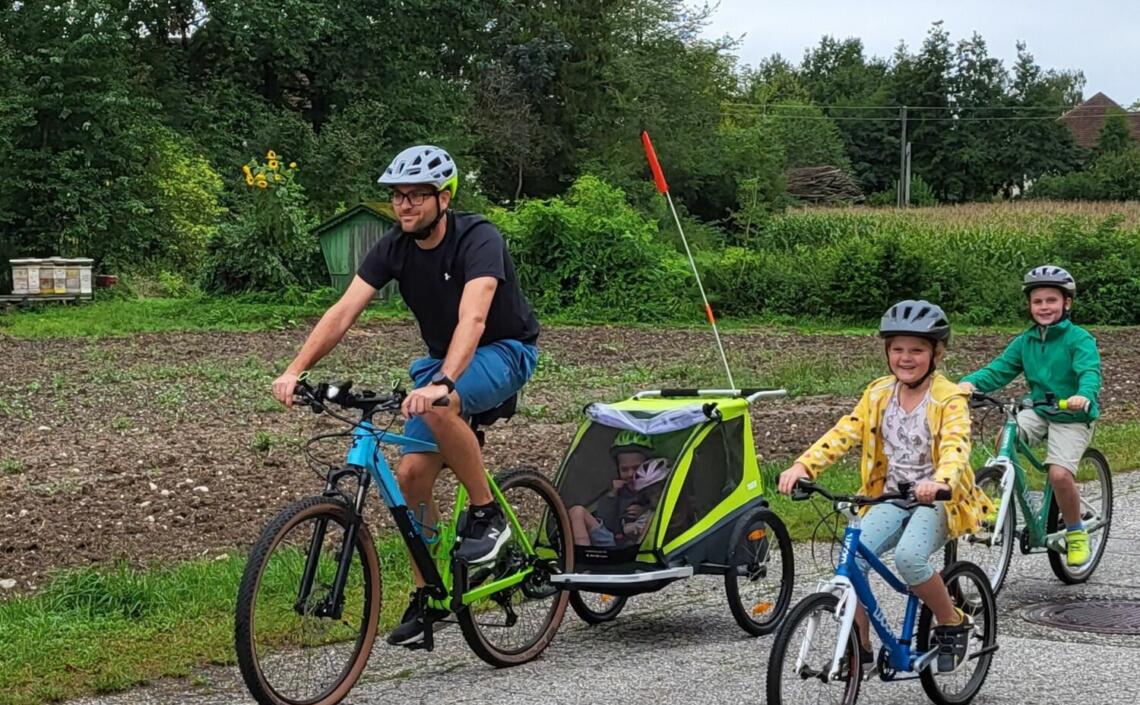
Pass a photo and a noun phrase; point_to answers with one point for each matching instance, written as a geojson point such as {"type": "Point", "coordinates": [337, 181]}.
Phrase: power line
{"type": "Point", "coordinates": [896, 108]}
{"type": "Point", "coordinates": [758, 112]}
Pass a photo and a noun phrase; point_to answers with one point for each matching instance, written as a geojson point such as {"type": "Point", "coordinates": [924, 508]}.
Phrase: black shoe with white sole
{"type": "Point", "coordinates": [411, 628]}
{"type": "Point", "coordinates": [483, 534]}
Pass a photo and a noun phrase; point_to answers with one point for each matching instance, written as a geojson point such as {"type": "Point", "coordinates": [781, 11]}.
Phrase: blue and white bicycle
{"type": "Point", "coordinates": [815, 656]}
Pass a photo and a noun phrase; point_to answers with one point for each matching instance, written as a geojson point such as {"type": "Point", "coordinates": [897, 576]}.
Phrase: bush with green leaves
{"type": "Point", "coordinates": [922, 193]}
{"type": "Point", "coordinates": [185, 195]}
{"type": "Point", "coordinates": [1113, 176]}
{"type": "Point", "coordinates": [591, 256]}
{"type": "Point", "coordinates": [270, 246]}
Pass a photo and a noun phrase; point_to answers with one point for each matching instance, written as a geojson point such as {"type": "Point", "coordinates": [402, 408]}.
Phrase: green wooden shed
{"type": "Point", "coordinates": [346, 238]}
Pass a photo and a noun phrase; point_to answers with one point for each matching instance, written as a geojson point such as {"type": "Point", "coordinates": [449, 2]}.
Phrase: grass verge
{"type": "Point", "coordinates": [98, 630]}
{"type": "Point", "coordinates": [120, 317]}
{"type": "Point", "coordinates": [250, 313]}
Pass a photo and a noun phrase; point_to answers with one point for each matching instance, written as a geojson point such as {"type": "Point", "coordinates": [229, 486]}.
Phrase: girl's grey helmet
{"type": "Point", "coordinates": [1049, 276]}
{"type": "Point", "coordinates": [918, 318]}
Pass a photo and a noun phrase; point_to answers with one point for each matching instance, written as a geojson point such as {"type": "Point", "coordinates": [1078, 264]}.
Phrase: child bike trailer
{"type": "Point", "coordinates": [663, 486]}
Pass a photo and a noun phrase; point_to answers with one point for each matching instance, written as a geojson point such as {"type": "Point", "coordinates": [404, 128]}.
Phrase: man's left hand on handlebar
{"type": "Point", "coordinates": [419, 401]}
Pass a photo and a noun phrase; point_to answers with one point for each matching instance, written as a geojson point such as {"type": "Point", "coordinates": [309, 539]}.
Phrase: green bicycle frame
{"type": "Point", "coordinates": [431, 556]}
{"type": "Point", "coordinates": [440, 550]}
{"type": "Point", "coordinates": [1010, 446]}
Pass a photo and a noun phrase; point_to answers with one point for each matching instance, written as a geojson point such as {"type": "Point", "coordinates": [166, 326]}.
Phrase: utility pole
{"type": "Point", "coordinates": [904, 184]}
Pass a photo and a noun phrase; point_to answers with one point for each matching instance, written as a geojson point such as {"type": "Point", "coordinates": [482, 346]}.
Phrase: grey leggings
{"type": "Point", "coordinates": [886, 526]}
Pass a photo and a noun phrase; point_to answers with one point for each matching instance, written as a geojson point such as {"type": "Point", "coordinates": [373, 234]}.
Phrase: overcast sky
{"type": "Point", "coordinates": [1099, 37]}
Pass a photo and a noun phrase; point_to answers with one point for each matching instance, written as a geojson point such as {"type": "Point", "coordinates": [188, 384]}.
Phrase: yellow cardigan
{"type": "Point", "coordinates": [947, 415]}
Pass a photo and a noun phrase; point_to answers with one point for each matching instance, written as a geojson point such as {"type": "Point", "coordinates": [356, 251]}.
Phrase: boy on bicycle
{"type": "Point", "coordinates": [1061, 359]}
{"type": "Point", "coordinates": [914, 427]}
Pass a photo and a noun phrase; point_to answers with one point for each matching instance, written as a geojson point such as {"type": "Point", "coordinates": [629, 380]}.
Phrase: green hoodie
{"type": "Point", "coordinates": [1060, 359]}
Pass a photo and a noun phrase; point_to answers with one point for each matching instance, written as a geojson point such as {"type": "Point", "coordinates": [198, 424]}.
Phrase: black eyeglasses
{"type": "Point", "coordinates": [416, 198]}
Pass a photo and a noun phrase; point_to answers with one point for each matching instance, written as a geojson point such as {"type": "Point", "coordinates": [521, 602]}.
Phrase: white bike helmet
{"type": "Point", "coordinates": [650, 473]}
{"type": "Point", "coordinates": [1048, 275]}
{"type": "Point", "coordinates": [423, 164]}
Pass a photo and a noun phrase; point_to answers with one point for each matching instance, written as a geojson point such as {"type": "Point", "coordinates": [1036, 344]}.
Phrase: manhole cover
{"type": "Point", "coordinates": [1101, 616]}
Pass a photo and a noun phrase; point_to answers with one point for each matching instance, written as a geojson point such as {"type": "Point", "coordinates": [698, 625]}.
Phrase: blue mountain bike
{"type": "Point", "coordinates": [815, 656]}
{"type": "Point", "coordinates": [308, 608]}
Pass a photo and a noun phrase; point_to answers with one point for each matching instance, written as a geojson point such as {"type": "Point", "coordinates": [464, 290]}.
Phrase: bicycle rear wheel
{"type": "Point", "coordinates": [970, 590]}
{"type": "Point", "coordinates": [295, 648]}
{"type": "Point", "coordinates": [1094, 480]}
{"type": "Point", "coordinates": [514, 625]}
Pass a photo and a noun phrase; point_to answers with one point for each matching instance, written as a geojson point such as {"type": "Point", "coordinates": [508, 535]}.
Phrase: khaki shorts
{"type": "Point", "coordinates": [1066, 441]}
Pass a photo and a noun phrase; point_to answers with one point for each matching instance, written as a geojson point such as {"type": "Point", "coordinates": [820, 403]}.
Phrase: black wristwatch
{"type": "Point", "coordinates": [441, 378]}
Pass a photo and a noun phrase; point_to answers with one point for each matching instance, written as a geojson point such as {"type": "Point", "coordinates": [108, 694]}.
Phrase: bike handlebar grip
{"type": "Point", "coordinates": [803, 489]}
{"type": "Point", "coordinates": [442, 401]}
{"type": "Point", "coordinates": [943, 495]}
{"type": "Point", "coordinates": [1063, 404]}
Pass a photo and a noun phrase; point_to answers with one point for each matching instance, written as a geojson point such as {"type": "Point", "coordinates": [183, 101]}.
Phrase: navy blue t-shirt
{"type": "Point", "coordinates": [431, 281]}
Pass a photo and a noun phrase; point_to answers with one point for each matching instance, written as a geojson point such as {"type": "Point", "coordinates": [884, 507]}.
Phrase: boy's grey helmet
{"type": "Point", "coordinates": [1048, 275]}
{"type": "Point", "coordinates": [918, 318]}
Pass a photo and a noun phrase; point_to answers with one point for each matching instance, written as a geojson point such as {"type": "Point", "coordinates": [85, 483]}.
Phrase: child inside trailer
{"type": "Point", "coordinates": [621, 516]}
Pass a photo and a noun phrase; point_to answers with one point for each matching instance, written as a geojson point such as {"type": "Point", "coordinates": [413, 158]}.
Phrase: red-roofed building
{"type": "Point", "coordinates": [1086, 120]}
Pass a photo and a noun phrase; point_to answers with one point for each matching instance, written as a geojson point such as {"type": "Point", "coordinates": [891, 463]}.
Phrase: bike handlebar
{"type": "Point", "coordinates": [1050, 405]}
{"type": "Point", "coordinates": [805, 489]}
{"type": "Point", "coordinates": [341, 394]}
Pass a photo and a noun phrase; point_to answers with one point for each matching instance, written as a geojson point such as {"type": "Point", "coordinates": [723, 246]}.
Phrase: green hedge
{"type": "Point", "coordinates": [590, 256]}
{"type": "Point", "coordinates": [846, 268]}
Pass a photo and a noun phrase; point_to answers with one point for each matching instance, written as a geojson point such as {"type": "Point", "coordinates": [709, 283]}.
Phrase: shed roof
{"type": "Point", "coordinates": [377, 208]}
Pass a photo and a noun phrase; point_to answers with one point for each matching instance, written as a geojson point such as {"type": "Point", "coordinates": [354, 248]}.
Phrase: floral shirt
{"type": "Point", "coordinates": [907, 444]}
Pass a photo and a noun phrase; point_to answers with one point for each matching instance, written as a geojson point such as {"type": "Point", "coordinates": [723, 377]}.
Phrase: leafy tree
{"type": "Point", "coordinates": [855, 89]}
{"type": "Point", "coordinates": [1116, 134]}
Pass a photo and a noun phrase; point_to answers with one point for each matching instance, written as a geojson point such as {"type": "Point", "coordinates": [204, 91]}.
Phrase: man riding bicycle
{"type": "Point", "coordinates": [457, 278]}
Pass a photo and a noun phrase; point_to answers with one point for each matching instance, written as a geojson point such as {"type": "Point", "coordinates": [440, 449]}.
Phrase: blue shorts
{"type": "Point", "coordinates": [496, 373]}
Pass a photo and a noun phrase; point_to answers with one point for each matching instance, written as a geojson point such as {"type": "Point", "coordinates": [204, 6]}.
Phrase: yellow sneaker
{"type": "Point", "coordinates": [992, 515]}
{"type": "Point", "coordinates": [1078, 543]}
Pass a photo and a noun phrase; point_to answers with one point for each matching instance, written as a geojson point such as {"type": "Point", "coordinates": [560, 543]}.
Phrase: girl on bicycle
{"type": "Point", "coordinates": [914, 427]}
{"type": "Point", "coordinates": [1059, 358]}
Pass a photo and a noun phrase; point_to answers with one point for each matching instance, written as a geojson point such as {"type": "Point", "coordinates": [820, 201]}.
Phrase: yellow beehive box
{"type": "Point", "coordinates": [47, 277]}
{"type": "Point", "coordinates": [59, 275]}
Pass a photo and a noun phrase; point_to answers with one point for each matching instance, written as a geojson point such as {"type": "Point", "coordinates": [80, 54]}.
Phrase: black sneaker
{"type": "Point", "coordinates": [952, 643]}
{"type": "Point", "coordinates": [411, 628]}
{"type": "Point", "coordinates": [483, 534]}
{"type": "Point", "coordinates": [866, 660]}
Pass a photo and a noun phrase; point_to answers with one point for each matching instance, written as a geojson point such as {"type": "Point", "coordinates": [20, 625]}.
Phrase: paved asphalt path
{"type": "Point", "coordinates": [681, 645]}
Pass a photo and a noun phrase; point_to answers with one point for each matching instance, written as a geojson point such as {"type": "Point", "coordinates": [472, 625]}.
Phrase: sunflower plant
{"type": "Point", "coordinates": [270, 245]}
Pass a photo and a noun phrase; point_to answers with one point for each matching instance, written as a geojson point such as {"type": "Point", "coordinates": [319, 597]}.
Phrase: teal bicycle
{"type": "Point", "coordinates": [308, 607]}
{"type": "Point", "coordinates": [815, 656]}
{"type": "Point", "coordinates": [1003, 478]}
